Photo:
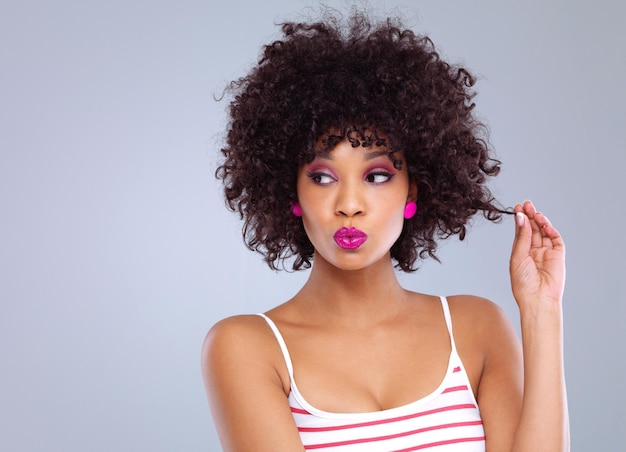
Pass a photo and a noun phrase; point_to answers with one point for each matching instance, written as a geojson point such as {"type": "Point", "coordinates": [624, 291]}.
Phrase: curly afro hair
{"type": "Point", "coordinates": [361, 80]}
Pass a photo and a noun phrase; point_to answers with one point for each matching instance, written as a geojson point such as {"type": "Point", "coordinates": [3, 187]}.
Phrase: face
{"type": "Point", "coordinates": [353, 204]}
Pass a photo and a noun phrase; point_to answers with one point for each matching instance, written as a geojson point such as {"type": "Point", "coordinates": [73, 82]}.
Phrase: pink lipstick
{"type": "Point", "coordinates": [350, 238]}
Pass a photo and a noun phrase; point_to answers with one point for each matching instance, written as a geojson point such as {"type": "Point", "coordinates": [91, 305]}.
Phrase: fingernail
{"type": "Point", "coordinates": [519, 218]}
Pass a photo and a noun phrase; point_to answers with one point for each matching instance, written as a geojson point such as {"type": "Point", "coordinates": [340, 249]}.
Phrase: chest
{"type": "Point", "coordinates": [379, 370]}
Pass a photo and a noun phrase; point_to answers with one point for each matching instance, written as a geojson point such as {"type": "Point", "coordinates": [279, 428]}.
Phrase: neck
{"type": "Point", "coordinates": [355, 297]}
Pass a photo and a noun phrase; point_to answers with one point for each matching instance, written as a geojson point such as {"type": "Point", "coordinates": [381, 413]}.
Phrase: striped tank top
{"type": "Point", "coordinates": [446, 420]}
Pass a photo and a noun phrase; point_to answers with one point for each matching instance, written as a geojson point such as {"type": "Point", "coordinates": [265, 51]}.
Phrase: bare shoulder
{"type": "Point", "coordinates": [489, 345]}
{"type": "Point", "coordinates": [476, 312]}
{"type": "Point", "coordinates": [243, 369]}
{"type": "Point", "coordinates": [482, 329]}
{"type": "Point", "coordinates": [238, 341]}
{"type": "Point", "coordinates": [237, 329]}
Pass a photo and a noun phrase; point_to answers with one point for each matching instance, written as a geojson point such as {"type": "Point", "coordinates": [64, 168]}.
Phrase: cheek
{"type": "Point", "coordinates": [395, 213]}
{"type": "Point", "coordinates": [319, 236]}
{"type": "Point", "coordinates": [396, 219]}
{"type": "Point", "coordinates": [312, 206]}
{"type": "Point", "coordinates": [306, 195]}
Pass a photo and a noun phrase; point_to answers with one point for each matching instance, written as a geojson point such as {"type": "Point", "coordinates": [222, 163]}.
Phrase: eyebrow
{"type": "Point", "coordinates": [375, 154]}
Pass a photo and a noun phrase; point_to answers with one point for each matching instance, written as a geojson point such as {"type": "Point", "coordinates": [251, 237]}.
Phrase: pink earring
{"type": "Point", "coordinates": [296, 209]}
{"type": "Point", "coordinates": [410, 209]}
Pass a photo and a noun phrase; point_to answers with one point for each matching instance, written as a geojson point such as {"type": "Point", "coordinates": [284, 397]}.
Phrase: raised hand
{"type": "Point", "coordinates": [537, 264]}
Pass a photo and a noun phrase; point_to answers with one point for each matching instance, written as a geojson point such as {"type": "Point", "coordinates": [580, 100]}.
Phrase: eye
{"type": "Point", "coordinates": [321, 178]}
{"type": "Point", "coordinates": [378, 177]}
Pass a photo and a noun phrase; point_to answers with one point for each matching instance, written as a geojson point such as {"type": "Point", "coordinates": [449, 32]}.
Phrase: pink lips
{"type": "Point", "coordinates": [350, 238]}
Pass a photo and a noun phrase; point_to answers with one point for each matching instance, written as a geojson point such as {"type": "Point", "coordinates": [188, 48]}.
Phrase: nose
{"type": "Point", "coordinates": [350, 199]}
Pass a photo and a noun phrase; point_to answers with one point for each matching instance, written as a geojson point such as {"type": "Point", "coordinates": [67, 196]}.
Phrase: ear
{"type": "Point", "coordinates": [412, 195]}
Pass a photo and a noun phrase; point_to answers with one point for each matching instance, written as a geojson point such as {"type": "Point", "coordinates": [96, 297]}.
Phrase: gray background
{"type": "Point", "coordinates": [117, 255]}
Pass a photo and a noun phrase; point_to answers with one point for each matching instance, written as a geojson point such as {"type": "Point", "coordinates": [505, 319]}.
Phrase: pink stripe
{"type": "Point", "coordinates": [457, 369]}
{"type": "Point", "coordinates": [443, 443]}
{"type": "Point", "coordinates": [402, 434]}
{"type": "Point", "coordinates": [455, 388]}
{"type": "Point", "coordinates": [298, 410]}
{"type": "Point", "coordinates": [387, 421]}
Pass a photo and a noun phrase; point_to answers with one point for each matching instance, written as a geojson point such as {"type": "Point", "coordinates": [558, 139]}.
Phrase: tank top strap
{"type": "Point", "coordinates": [283, 346]}
{"type": "Point", "coordinates": [448, 318]}
{"type": "Point", "coordinates": [281, 343]}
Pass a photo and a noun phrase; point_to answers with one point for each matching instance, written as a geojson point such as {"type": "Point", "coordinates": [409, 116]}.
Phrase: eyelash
{"type": "Point", "coordinates": [317, 177]}
{"type": "Point", "coordinates": [370, 177]}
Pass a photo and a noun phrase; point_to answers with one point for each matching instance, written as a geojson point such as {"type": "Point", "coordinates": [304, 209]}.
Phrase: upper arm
{"type": "Point", "coordinates": [500, 390]}
{"type": "Point", "coordinates": [245, 389]}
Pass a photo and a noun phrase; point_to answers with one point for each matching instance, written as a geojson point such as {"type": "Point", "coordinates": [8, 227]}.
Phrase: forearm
{"type": "Point", "coordinates": [544, 423]}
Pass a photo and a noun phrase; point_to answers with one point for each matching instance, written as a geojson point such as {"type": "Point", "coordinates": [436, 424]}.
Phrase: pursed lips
{"type": "Point", "coordinates": [349, 238]}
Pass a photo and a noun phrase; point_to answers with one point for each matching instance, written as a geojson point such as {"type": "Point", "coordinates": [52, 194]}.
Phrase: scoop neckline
{"type": "Point", "coordinates": [401, 409]}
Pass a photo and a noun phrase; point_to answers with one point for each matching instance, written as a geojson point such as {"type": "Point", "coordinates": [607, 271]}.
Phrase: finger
{"type": "Point", "coordinates": [541, 220]}
{"type": "Point", "coordinates": [550, 233]}
{"type": "Point", "coordinates": [537, 222]}
{"type": "Point", "coordinates": [523, 238]}
{"type": "Point", "coordinates": [518, 209]}
{"type": "Point", "coordinates": [529, 209]}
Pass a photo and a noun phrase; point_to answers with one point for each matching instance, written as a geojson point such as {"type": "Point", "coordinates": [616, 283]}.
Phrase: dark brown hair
{"type": "Point", "coordinates": [364, 79]}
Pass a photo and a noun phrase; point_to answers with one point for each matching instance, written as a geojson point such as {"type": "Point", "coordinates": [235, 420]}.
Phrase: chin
{"type": "Point", "coordinates": [353, 260]}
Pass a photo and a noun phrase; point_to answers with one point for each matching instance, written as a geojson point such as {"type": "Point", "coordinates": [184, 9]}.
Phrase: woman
{"type": "Point", "coordinates": [352, 148]}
